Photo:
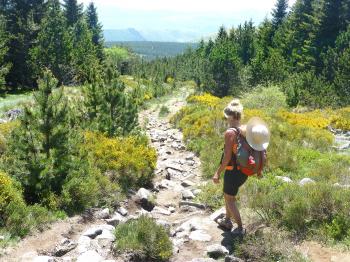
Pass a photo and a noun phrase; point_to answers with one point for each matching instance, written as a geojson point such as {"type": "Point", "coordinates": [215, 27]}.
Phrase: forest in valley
{"type": "Point", "coordinates": [304, 50]}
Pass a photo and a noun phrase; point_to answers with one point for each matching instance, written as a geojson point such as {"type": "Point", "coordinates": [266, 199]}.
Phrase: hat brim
{"type": "Point", "coordinates": [249, 134]}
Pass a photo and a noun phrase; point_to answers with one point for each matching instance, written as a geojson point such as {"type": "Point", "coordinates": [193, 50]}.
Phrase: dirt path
{"type": "Point", "coordinates": [177, 181]}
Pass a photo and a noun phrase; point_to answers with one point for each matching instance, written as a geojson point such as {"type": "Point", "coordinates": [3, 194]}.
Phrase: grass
{"type": "Point", "coordinates": [146, 240]}
{"type": "Point", "coordinates": [164, 111]}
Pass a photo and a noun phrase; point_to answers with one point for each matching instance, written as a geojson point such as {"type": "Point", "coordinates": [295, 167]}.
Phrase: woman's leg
{"type": "Point", "coordinates": [232, 210]}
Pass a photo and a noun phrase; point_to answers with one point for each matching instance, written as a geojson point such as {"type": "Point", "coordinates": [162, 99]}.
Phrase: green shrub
{"type": "Point", "coordinates": [301, 209]}
{"type": "Point", "coordinates": [164, 111]}
{"type": "Point", "coordinates": [18, 218]}
{"type": "Point", "coordinates": [145, 239]}
{"type": "Point", "coordinates": [212, 195]}
{"type": "Point", "coordinates": [269, 98]}
{"type": "Point", "coordinates": [268, 246]}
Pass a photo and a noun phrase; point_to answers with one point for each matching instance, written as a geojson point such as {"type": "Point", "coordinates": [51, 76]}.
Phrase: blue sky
{"type": "Point", "coordinates": [200, 16]}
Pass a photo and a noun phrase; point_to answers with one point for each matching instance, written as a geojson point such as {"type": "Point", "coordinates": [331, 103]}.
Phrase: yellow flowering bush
{"type": "Point", "coordinates": [205, 99]}
{"type": "Point", "coordinates": [341, 118]}
{"type": "Point", "coordinates": [130, 161]}
{"type": "Point", "coordinates": [5, 130]}
{"type": "Point", "coordinates": [314, 119]}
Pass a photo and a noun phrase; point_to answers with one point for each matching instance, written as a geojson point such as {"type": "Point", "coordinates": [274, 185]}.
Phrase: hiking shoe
{"type": "Point", "coordinates": [225, 223]}
{"type": "Point", "coordinates": [239, 231]}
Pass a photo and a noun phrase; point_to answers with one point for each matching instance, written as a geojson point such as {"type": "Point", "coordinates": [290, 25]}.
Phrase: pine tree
{"type": "Point", "coordinates": [222, 34]}
{"type": "Point", "coordinates": [40, 146]}
{"type": "Point", "coordinates": [245, 40]}
{"type": "Point", "coordinates": [72, 11]}
{"type": "Point", "coordinates": [279, 13]}
{"type": "Point", "coordinates": [331, 23]}
{"type": "Point", "coordinates": [111, 110]}
{"type": "Point", "coordinates": [54, 55]}
{"type": "Point", "coordinates": [4, 67]}
{"type": "Point", "coordinates": [96, 29]}
{"type": "Point", "coordinates": [84, 52]}
{"type": "Point", "coordinates": [22, 24]}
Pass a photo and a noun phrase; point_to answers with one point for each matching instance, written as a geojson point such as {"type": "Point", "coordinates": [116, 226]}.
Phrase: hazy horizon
{"type": "Point", "coordinates": [197, 17]}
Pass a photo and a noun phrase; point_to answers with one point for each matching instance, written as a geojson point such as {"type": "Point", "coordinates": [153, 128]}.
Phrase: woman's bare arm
{"type": "Point", "coordinates": [229, 138]}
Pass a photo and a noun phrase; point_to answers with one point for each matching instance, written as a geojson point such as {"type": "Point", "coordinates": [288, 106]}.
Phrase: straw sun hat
{"type": "Point", "coordinates": [257, 134]}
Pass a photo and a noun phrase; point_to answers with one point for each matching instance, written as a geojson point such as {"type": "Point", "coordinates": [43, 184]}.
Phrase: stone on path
{"type": "Point", "coordinates": [284, 179]}
{"type": "Point", "coordinates": [122, 211]}
{"type": "Point", "coordinates": [65, 246]}
{"type": "Point", "coordinates": [92, 232]}
{"type": "Point", "coordinates": [220, 213]}
{"type": "Point", "coordinates": [84, 244]}
{"type": "Point", "coordinates": [194, 204]}
{"type": "Point", "coordinates": [143, 194]}
{"type": "Point", "coordinates": [162, 211]}
{"type": "Point", "coordinates": [116, 219]}
{"type": "Point", "coordinates": [233, 259]}
{"type": "Point", "coordinates": [187, 183]}
{"type": "Point", "coordinates": [306, 181]}
{"type": "Point", "coordinates": [216, 251]}
{"type": "Point", "coordinates": [200, 235]}
{"type": "Point", "coordinates": [43, 259]}
{"type": "Point", "coordinates": [203, 260]}
{"type": "Point", "coordinates": [103, 214]}
{"type": "Point", "coordinates": [187, 194]}
{"type": "Point", "coordinates": [90, 256]}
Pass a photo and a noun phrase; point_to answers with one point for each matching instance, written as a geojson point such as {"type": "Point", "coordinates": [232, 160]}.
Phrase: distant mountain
{"type": "Point", "coordinates": [129, 34]}
{"type": "Point", "coordinates": [170, 36]}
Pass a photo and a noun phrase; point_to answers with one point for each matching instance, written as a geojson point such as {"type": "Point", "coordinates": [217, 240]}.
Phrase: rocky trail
{"type": "Point", "coordinates": [193, 230]}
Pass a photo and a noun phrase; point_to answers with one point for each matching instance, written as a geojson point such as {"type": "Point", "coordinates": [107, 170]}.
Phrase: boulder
{"type": "Point", "coordinates": [284, 179]}
{"type": "Point", "coordinates": [162, 211]}
{"type": "Point", "coordinates": [65, 246]}
{"type": "Point", "coordinates": [92, 232]}
{"type": "Point", "coordinates": [105, 239]}
{"type": "Point", "coordinates": [103, 214]}
{"type": "Point", "coordinates": [233, 259]}
{"type": "Point", "coordinates": [143, 194]}
{"type": "Point", "coordinates": [84, 244]}
{"type": "Point", "coordinates": [216, 251]}
{"type": "Point", "coordinates": [189, 203]}
{"type": "Point", "coordinates": [200, 235]}
{"type": "Point", "coordinates": [90, 256]}
{"type": "Point", "coordinates": [203, 260]}
{"type": "Point", "coordinates": [187, 194]}
{"type": "Point", "coordinates": [187, 183]}
{"type": "Point", "coordinates": [306, 181]}
{"type": "Point", "coordinates": [220, 213]}
{"type": "Point", "coordinates": [196, 191]}
{"type": "Point", "coordinates": [43, 259]}
{"type": "Point", "coordinates": [122, 211]}
{"type": "Point", "coordinates": [116, 219]}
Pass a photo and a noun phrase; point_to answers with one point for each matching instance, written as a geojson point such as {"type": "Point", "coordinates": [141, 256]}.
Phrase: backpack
{"type": "Point", "coordinates": [244, 158]}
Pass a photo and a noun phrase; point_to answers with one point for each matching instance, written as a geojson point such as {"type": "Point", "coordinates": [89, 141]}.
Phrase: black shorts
{"type": "Point", "coordinates": [233, 179]}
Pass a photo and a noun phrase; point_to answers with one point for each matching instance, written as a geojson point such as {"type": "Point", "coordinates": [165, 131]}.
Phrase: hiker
{"type": "Point", "coordinates": [244, 155]}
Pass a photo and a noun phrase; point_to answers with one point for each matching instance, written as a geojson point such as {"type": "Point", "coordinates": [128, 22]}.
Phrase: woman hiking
{"type": "Point", "coordinates": [242, 144]}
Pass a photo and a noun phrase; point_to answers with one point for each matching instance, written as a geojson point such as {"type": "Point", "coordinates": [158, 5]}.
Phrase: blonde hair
{"type": "Point", "coordinates": [234, 109]}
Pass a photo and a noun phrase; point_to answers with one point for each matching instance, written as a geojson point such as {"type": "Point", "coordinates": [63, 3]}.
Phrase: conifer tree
{"type": "Point", "coordinates": [83, 52]}
{"type": "Point", "coordinates": [54, 55]}
{"type": "Point", "coordinates": [4, 67]}
{"type": "Point", "coordinates": [222, 34]}
{"type": "Point", "coordinates": [279, 13]}
{"type": "Point", "coordinates": [22, 25]}
{"type": "Point", "coordinates": [72, 11]}
{"type": "Point", "coordinates": [40, 146]}
{"type": "Point", "coordinates": [96, 29]}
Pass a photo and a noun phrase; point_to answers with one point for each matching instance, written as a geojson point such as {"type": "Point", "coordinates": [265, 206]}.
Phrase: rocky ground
{"type": "Point", "coordinates": [193, 229]}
